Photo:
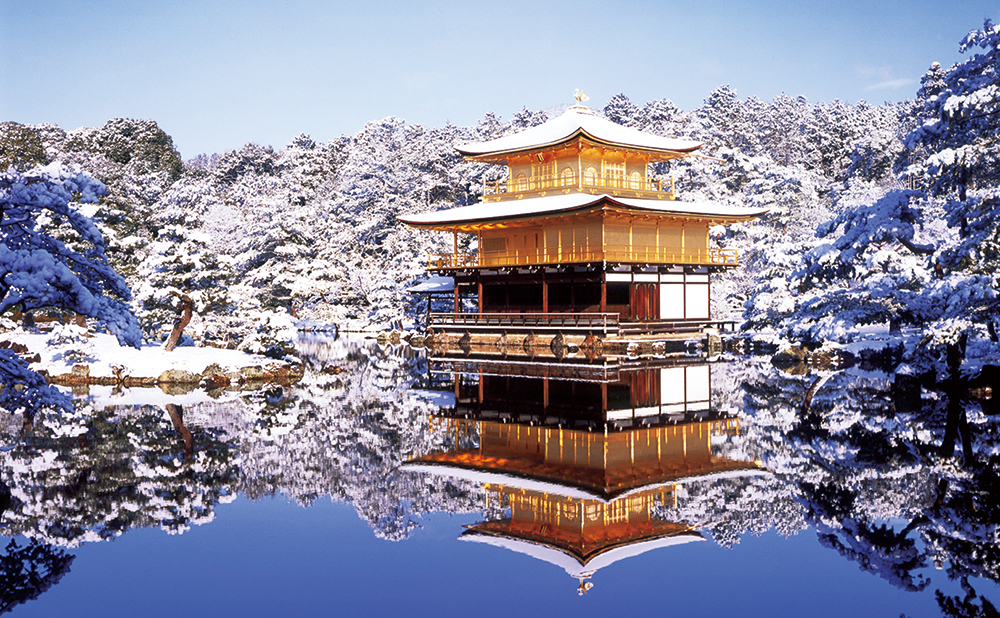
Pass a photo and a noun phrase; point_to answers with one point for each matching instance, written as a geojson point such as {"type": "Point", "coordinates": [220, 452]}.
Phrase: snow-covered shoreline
{"type": "Point", "coordinates": [106, 361]}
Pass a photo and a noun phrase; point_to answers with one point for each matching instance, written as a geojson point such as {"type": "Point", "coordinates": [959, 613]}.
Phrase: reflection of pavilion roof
{"type": "Point", "coordinates": [571, 481]}
{"type": "Point", "coordinates": [584, 464]}
{"type": "Point", "coordinates": [575, 562]}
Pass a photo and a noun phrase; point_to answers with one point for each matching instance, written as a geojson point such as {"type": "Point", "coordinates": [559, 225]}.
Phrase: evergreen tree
{"type": "Point", "coordinates": [38, 270]}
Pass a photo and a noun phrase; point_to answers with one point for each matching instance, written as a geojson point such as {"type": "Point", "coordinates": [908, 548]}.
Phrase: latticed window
{"type": "Point", "coordinates": [568, 178]}
{"type": "Point", "coordinates": [494, 244]}
{"type": "Point", "coordinates": [543, 174]}
{"type": "Point", "coordinates": [613, 173]}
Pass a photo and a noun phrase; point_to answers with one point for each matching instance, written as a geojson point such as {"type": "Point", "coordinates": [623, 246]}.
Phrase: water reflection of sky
{"type": "Point", "coordinates": [270, 557]}
{"type": "Point", "coordinates": [291, 549]}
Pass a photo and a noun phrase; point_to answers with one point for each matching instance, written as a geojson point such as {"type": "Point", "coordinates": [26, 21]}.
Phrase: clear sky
{"type": "Point", "coordinates": [216, 74]}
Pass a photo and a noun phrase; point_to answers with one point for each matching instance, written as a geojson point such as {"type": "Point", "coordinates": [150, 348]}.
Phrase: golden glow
{"type": "Point", "coordinates": [603, 463]}
{"type": "Point", "coordinates": [574, 167]}
{"type": "Point", "coordinates": [606, 235]}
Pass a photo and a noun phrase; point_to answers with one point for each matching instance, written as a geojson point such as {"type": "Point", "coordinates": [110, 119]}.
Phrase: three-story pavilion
{"type": "Point", "coordinates": [580, 227]}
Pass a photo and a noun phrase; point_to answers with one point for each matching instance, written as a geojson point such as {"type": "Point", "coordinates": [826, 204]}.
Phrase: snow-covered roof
{"type": "Point", "coordinates": [484, 212]}
{"type": "Point", "coordinates": [557, 488]}
{"type": "Point", "coordinates": [434, 285]}
{"type": "Point", "coordinates": [570, 563]}
{"type": "Point", "coordinates": [577, 120]}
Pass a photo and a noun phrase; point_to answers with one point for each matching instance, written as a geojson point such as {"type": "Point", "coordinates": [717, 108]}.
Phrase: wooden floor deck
{"type": "Point", "coordinates": [604, 324]}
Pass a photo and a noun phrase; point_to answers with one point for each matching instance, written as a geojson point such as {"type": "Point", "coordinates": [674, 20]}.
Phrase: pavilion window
{"type": "Point", "coordinates": [613, 173]}
{"type": "Point", "coordinates": [543, 174]}
{"type": "Point", "coordinates": [590, 177]}
{"type": "Point", "coordinates": [568, 177]}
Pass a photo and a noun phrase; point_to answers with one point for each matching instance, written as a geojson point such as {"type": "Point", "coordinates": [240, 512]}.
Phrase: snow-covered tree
{"type": "Point", "coordinates": [21, 147]}
{"type": "Point", "coordinates": [181, 274]}
{"type": "Point", "coordinates": [39, 271]}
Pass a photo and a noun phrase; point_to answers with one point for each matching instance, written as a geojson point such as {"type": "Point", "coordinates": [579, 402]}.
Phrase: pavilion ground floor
{"type": "Point", "coordinates": [603, 299]}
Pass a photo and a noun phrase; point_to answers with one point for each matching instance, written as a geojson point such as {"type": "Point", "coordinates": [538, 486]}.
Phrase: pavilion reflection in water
{"type": "Point", "coordinates": [575, 466]}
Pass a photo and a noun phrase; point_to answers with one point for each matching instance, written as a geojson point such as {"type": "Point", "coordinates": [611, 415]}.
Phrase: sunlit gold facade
{"type": "Point", "coordinates": [600, 235]}
{"type": "Point", "coordinates": [582, 166]}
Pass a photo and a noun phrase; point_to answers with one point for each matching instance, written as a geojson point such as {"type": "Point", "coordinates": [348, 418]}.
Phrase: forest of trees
{"type": "Point", "coordinates": [879, 214]}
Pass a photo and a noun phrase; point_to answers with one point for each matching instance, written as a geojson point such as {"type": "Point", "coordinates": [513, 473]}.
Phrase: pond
{"type": "Point", "coordinates": [388, 483]}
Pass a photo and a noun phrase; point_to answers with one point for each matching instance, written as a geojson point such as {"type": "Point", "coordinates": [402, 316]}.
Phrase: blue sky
{"type": "Point", "coordinates": [217, 74]}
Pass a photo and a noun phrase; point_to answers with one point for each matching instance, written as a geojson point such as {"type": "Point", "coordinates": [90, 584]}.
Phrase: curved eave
{"type": "Point", "coordinates": [578, 566]}
{"type": "Point", "coordinates": [485, 215]}
{"type": "Point", "coordinates": [504, 154]}
{"type": "Point", "coordinates": [563, 487]}
{"type": "Point", "coordinates": [482, 222]}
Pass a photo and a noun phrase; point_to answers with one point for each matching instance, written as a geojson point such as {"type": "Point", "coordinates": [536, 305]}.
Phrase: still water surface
{"type": "Point", "coordinates": [384, 484]}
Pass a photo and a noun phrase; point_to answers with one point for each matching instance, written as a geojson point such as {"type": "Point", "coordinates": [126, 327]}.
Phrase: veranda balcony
{"type": "Point", "coordinates": [611, 184]}
{"type": "Point", "coordinates": [584, 255]}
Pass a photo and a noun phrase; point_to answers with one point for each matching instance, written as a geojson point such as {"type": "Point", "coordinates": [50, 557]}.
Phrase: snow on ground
{"type": "Point", "coordinates": [101, 351]}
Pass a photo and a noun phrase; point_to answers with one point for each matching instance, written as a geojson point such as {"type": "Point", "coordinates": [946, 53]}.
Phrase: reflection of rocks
{"type": "Point", "coordinates": [830, 358]}
{"type": "Point", "coordinates": [985, 387]}
{"type": "Point", "coordinates": [798, 360]}
{"type": "Point", "coordinates": [279, 373]}
{"type": "Point", "coordinates": [178, 388]}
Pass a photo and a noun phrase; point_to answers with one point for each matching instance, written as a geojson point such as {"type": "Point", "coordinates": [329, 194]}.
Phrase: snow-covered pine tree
{"type": "Point", "coordinates": [961, 136]}
{"type": "Point", "coordinates": [180, 274]}
{"type": "Point", "coordinates": [38, 271]}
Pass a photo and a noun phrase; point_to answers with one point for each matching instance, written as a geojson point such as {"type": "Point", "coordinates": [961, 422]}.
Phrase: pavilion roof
{"type": "Point", "coordinates": [575, 565]}
{"type": "Point", "coordinates": [577, 121]}
{"type": "Point", "coordinates": [567, 480]}
{"type": "Point", "coordinates": [485, 213]}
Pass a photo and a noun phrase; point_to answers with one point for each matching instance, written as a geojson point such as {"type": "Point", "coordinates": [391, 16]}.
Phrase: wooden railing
{"type": "Point", "coordinates": [620, 254]}
{"type": "Point", "coordinates": [663, 188]}
{"type": "Point", "coordinates": [604, 323]}
{"type": "Point", "coordinates": [674, 326]}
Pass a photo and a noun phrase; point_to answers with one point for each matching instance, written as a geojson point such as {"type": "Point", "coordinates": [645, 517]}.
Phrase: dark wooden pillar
{"type": "Point", "coordinates": [545, 294]}
{"type": "Point", "coordinates": [545, 394]}
{"type": "Point", "coordinates": [604, 292]}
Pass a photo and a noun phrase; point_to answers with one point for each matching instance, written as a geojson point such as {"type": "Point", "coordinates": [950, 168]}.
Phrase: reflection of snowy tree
{"type": "Point", "coordinates": [344, 434]}
{"type": "Point", "coordinates": [116, 470]}
{"type": "Point", "coordinates": [857, 464]}
{"type": "Point", "coordinates": [27, 572]}
{"type": "Point", "coordinates": [966, 607]}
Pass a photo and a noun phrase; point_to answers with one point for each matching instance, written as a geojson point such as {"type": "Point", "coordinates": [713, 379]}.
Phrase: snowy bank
{"type": "Point", "coordinates": [69, 356]}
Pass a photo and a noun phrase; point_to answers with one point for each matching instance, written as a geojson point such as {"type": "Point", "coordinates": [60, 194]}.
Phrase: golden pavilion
{"type": "Point", "coordinates": [581, 234]}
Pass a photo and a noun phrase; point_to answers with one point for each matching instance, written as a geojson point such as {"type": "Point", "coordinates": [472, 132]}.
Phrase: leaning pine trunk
{"type": "Point", "coordinates": [179, 324]}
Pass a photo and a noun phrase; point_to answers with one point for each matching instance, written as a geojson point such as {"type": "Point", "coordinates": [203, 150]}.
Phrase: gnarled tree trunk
{"type": "Point", "coordinates": [180, 323]}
